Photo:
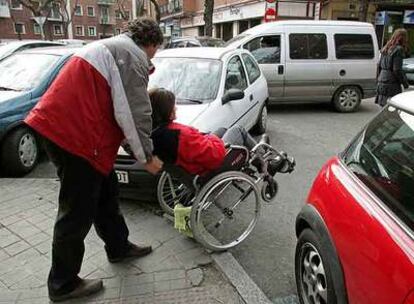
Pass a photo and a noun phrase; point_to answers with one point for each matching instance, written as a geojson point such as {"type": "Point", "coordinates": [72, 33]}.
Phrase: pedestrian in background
{"type": "Point", "coordinates": [98, 99]}
{"type": "Point", "coordinates": [390, 75]}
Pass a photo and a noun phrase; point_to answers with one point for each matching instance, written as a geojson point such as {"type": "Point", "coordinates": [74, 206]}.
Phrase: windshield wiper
{"type": "Point", "coordinates": [7, 89]}
{"type": "Point", "coordinates": [191, 100]}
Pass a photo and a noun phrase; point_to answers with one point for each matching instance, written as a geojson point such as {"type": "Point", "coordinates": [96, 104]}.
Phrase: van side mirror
{"type": "Point", "coordinates": [232, 94]}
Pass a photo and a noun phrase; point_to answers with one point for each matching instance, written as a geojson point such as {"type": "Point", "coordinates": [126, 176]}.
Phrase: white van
{"type": "Point", "coordinates": [315, 61]}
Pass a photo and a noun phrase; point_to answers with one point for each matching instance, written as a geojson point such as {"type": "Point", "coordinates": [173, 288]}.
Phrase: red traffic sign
{"type": "Point", "coordinates": [270, 14]}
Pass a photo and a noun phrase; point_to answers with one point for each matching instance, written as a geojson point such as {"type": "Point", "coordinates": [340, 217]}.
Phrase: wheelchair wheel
{"type": "Point", "coordinates": [225, 211]}
{"type": "Point", "coordinates": [170, 191]}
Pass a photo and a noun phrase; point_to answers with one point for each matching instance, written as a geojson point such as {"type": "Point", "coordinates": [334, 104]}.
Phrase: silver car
{"type": "Point", "coordinates": [214, 87]}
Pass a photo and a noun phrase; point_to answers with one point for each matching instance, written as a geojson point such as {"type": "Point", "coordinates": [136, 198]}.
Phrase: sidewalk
{"type": "Point", "coordinates": [178, 271]}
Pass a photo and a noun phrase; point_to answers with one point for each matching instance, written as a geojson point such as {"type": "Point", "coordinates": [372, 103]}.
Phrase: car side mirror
{"type": "Point", "coordinates": [232, 94]}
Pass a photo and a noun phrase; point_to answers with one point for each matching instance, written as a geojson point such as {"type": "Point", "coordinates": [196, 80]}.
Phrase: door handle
{"type": "Point", "coordinates": [342, 72]}
{"type": "Point", "coordinates": [251, 97]}
{"type": "Point", "coordinates": [280, 69]}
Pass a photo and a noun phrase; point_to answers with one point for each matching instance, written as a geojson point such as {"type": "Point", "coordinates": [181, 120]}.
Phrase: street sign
{"type": "Point", "coordinates": [408, 17]}
{"type": "Point", "coordinates": [270, 11]}
{"type": "Point", "coordinates": [380, 18]}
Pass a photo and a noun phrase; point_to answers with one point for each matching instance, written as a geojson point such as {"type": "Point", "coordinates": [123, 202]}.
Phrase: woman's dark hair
{"type": "Point", "coordinates": [145, 32]}
{"type": "Point", "coordinates": [399, 37]}
{"type": "Point", "coordinates": [162, 103]}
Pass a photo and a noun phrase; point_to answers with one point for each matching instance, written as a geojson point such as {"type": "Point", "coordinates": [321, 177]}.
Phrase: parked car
{"type": "Point", "coordinates": [183, 42]}
{"type": "Point", "coordinates": [24, 77]}
{"type": "Point", "coordinates": [315, 61]}
{"type": "Point", "coordinates": [356, 231]}
{"type": "Point", "coordinates": [18, 46]}
{"type": "Point", "coordinates": [202, 79]}
{"type": "Point", "coordinates": [73, 42]}
{"type": "Point", "coordinates": [408, 68]}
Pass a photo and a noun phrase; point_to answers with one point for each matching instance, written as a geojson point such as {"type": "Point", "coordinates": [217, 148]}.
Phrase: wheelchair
{"type": "Point", "coordinates": [225, 204]}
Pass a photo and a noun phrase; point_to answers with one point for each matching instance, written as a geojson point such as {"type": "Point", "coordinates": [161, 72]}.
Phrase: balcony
{"type": "Point", "coordinates": [106, 2]}
{"type": "Point", "coordinates": [107, 20]}
{"type": "Point", "coordinates": [4, 9]}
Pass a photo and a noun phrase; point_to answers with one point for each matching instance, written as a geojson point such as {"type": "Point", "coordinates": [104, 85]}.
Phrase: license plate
{"type": "Point", "coordinates": [122, 177]}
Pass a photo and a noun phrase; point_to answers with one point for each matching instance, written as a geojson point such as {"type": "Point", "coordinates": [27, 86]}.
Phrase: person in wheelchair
{"type": "Point", "coordinates": [196, 152]}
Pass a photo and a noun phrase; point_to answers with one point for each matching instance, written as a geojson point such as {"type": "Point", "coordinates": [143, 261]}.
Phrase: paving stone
{"type": "Point", "coordinates": [162, 286]}
{"type": "Point", "coordinates": [14, 277]}
{"type": "Point", "coordinates": [127, 291]}
{"type": "Point", "coordinates": [44, 247]}
{"type": "Point", "coordinates": [139, 279]}
{"type": "Point", "coordinates": [3, 255]}
{"type": "Point", "coordinates": [8, 240]}
{"type": "Point", "coordinates": [194, 258]}
{"type": "Point", "coordinates": [113, 282]}
{"type": "Point", "coordinates": [38, 238]}
{"type": "Point", "coordinates": [8, 296]}
{"type": "Point", "coordinates": [29, 283]}
{"type": "Point", "coordinates": [195, 276]}
{"type": "Point", "coordinates": [169, 275]}
{"type": "Point", "coordinates": [16, 248]}
{"type": "Point", "coordinates": [23, 229]}
{"type": "Point", "coordinates": [99, 274]}
{"type": "Point", "coordinates": [10, 220]}
{"type": "Point", "coordinates": [179, 284]}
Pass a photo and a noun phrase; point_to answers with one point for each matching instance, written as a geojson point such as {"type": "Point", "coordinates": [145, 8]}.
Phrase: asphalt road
{"type": "Point", "coordinates": [312, 134]}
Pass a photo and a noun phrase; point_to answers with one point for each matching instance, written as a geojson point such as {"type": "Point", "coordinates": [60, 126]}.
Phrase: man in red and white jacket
{"type": "Point", "coordinates": [98, 100]}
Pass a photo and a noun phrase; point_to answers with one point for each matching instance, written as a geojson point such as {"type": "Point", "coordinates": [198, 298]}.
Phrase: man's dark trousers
{"type": "Point", "coordinates": [86, 197]}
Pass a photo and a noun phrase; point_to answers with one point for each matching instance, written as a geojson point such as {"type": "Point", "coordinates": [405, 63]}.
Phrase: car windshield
{"type": "Point", "coordinates": [22, 72]}
{"type": "Point", "coordinates": [191, 80]}
{"type": "Point", "coordinates": [7, 49]}
{"type": "Point", "coordinates": [234, 40]}
{"type": "Point", "coordinates": [383, 158]}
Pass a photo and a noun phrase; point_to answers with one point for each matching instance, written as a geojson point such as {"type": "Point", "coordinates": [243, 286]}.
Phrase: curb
{"type": "Point", "coordinates": [235, 273]}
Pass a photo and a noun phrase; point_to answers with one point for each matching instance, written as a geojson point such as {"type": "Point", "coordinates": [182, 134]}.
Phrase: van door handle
{"type": "Point", "coordinates": [280, 69]}
{"type": "Point", "coordinates": [251, 97]}
{"type": "Point", "coordinates": [342, 72]}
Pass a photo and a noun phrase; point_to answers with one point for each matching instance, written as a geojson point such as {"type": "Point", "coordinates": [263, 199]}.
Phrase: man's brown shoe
{"type": "Point", "coordinates": [133, 251]}
{"type": "Point", "coordinates": [85, 288]}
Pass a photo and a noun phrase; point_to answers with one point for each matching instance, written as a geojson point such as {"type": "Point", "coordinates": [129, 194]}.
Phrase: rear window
{"type": "Point", "coordinates": [308, 46]}
{"type": "Point", "coordinates": [354, 46]}
{"type": "Point", "coordinates": [382, 157]}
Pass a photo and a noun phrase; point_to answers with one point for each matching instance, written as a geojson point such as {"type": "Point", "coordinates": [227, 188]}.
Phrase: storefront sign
{"type": "Point", "coordinates": [408, 17]}
{"type": "Point", "coordinates": [380, 18]}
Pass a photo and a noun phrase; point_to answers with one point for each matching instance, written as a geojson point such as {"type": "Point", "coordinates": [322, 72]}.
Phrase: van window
{"type": "Point", "coordinates": [354, 46]}
{"type": "Point", "coordinates": [265, 49]}
{"type": "Point", "coordinates": [308, 46]}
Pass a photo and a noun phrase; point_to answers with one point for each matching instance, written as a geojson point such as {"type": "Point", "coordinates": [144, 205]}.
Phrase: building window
{"type": "Point", "coordinates": [354, 46]}
{"type": "Point", "coordinates": [79, 30]}
{"type": "Point", "coordinates": [92, 31]}
{"type": "Point", "coordinates": [55, 11]}
{"type": "Point", "coordinates": [19, 28]}
{"type": "Point", "coordinates": [58, 30]}
{"type": "Point", "coordinates": [308, 46]}
{"type": "Point", "coordinates": [91, 11]}
{"type": "Point", "coordinates": [16, 5]}
{"type": "Point", "coordinates": [78, 10]}
{"type": "Point", "coordinates": [36, 29]}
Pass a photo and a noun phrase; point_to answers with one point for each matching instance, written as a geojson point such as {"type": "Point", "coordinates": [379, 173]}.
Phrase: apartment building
{"type": "Point", "coordinates": [68, 19]}
{"type": "Point", "coordinates": [231, 17]}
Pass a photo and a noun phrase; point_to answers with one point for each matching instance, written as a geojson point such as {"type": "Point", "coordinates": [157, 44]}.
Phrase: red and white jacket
{"type": "Point", "coordinates": [185, 146]}
{"type": "Point", "coordinates": [98, 99]}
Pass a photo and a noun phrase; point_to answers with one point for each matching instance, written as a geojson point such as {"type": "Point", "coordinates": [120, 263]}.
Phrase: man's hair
{"type": "Point", "coordinates": [145, 32]}
{"type": "Point", "coordinates": [162, 103]}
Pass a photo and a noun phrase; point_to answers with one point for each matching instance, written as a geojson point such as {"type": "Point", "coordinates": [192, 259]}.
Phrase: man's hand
{"type": "Point", "coordinates": [154, 165]}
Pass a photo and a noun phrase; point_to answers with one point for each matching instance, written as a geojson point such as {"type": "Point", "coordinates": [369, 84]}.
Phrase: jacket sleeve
{"type": "Point", "coordinates": [132, 106]}
{"type": "Point", "coordinates": [206, 150]}
{"type": "Point", "coordinates": [397, 65]}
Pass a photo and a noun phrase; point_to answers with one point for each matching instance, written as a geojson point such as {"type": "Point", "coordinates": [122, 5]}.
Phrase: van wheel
{"type": "Point", "coordinates": [260, 126]}
{"type": "Point", "coordinates": [19, 152]}
{"type": "Point", "coordinates": [347, 99]}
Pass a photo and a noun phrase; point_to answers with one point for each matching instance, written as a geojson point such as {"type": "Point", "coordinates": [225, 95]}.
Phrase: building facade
{"type": "Point", "coordinates": [69, 19]}
{"type": "Point", "coordinates": [231, 17]}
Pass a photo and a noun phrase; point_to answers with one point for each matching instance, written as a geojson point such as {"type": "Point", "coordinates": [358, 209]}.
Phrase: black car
{"type": "Point", "coordinates": [194, 42]}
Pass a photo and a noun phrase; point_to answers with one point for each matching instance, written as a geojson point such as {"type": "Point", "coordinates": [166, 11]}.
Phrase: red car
{"type": "Point", "coordinates": [356, 232]}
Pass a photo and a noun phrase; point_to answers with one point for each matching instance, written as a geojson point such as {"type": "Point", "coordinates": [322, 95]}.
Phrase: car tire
{"type": "Point", "coordinates": [19, 152]}
{"type": "Point", "coordinates": [261, 124]}
{"type": "Point", "coordinates": [314, 277]}
{"type": "Point", "coordinates": [347, 99]}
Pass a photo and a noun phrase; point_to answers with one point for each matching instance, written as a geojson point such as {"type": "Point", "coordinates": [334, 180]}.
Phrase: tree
{"type": "Point", "coordinates": [363, 10]}
{"type": "Point", "coordinates": [157, 10]}
{"type": "Point", "coordinates": [40, 9]}
{"type": "Point", "coordinates": [67, 16]}
{"type": "Point", "coordinates": [208, 17]}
